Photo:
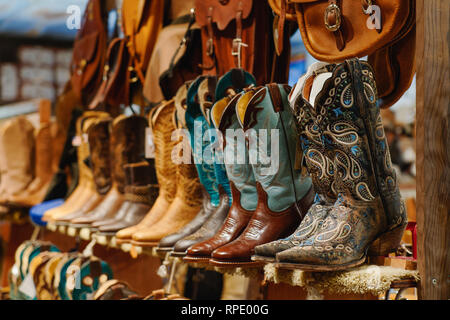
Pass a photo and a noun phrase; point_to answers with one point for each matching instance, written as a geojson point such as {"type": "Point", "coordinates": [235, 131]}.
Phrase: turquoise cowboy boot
{"type": "Point", "coordinates": [206, 99]}
{"type": "Point", "coordinates": [368, 217]}
{"type": "Point", "coordinates": [197, 127]}
{"type": "Point", "coordinates": [284, 195]}
{"type": "Point", "coordinates": [320, 166]}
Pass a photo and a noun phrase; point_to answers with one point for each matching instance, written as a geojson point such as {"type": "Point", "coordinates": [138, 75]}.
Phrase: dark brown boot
{"type": "Point", "coordinates": [127, 146]}
{"type": "Point", "coordinates": [140, 194]}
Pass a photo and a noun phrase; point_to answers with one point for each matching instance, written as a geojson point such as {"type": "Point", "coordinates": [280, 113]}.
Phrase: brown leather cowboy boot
{"type": "Point", "coordinates": [17, 143]}
{"type": "Point", "coordinates": [185, 206]}
{"type": "Point", "coordinates": [284, 195]}
{"type": "Point", "coordinates": [160, 120]}
{"type": "Point", "coordinates": [127, 146]}
{"type": "Point", "coordinates": [320, 166]}
{"type": "Point", "coordinates": [85, 186]}
{"type": "Point", "coordinates": [140, 194]}
{"type": "Point", "coordinates": [369, 216]}
{"type": "Point", "coordinates": [100, 164]}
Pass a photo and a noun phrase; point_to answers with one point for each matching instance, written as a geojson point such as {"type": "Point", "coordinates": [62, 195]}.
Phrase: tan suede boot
{"type": "Point", "coordinates": [17, 149]}
{"type": "Point", "coordinates": [86, 182]}
{"type": "Point", "coordinates": [160, 120]}
{"type": "Point", "coordinates": [183, 209]}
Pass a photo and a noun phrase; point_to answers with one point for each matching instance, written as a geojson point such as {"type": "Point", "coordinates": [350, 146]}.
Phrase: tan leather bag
{"type": "Point", "coordinates": [141, 23]}
{"type": "Point", "coordinates": [89, 51]}
{"type": "Point", "coordinates": [335, 30]}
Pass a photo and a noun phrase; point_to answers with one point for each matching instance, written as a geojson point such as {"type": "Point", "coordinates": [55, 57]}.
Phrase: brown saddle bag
{"type": "Point", "coordinates": [335, 30]}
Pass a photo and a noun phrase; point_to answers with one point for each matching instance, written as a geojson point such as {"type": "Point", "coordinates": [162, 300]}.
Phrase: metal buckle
{"type": "Point", "coordinates": [209, 47]}
{"type": "Point", "coordinates": [332, 8]}
{"type": "Point", "coordinates": [135, 78]}
{"type": "Point", "coordinates": [369, 5]}
{"type": "Point", "coordinates": [236, 49]}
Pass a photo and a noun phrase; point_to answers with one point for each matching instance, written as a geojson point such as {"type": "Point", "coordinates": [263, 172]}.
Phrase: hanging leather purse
{"type": "Point", "coordinates": [335, 30]}
{"type": "Point", "coordinates": [89, 51]}
{"type": "Point", "coordinates": [141, 23]}
{"type": "Point", "coordinates": [233, 33]}
{"type": "Point", "coordinates": [114, 89]}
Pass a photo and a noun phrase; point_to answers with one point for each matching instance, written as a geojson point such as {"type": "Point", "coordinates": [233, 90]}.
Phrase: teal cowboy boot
{"type": "Point", "coordinates": [284, 196]}
{"type": "Point", "coordinates": [239, 172]}
{"type": "Point", "coordinates": [314, 158]}
{"type": "Point", "coordinates": [369, 216]}
{"type": "Point", "coordinates": [206, 99]}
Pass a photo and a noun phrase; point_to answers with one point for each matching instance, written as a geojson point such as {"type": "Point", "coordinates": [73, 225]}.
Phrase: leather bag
{"type": "Point", "coordinates": [114, 89]}
{"type": "Point", "coordinates": [141, 22]}
{"type": "Point", "coordinates": [335, 30]}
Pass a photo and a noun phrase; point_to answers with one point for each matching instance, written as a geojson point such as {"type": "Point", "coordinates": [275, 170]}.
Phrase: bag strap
{"type": "Point", "coordinates": [186, 39]}
{"type": "Point", "coordinates": [210, 42]}
{"type": "Point", "coordinates": [237, 41]}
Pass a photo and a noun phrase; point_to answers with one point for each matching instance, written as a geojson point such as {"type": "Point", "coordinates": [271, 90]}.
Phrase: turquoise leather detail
{"type": "Point", "coordinates": [236, 157]}
{"type": "Point", "coordinates": [90, 282]}
{"type": "Point", "coordinates": [197, 127]}
{"type": "Point", "coordinates": [235, 79]}
{"type": "Point", "coordinates": [272, 121]}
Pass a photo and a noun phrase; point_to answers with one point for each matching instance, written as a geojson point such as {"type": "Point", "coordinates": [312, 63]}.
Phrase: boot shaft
{"type": "Point", "coordinates": [311, 122]}
{"type": "Point", "coordinates": [236, 159]}
{"type": "Point", "coordinates": [127, 145]}
{"type": "Point", "coordinates": [206, 97]}
{"type": "Point", "coordinates": [198, 127]}
{"type": "Point", "coordinates": [163, 126]}
{"type": "Point", "coordinates": [141, 183]}
{"type": "Point", "coordinates": [17, 141]}
{"type": "Point", "coordinates": [99, 142]}
{"type": "Point", "coordinates": [266, 117]}
{"type": "Point", "coordinates": [354, 136]}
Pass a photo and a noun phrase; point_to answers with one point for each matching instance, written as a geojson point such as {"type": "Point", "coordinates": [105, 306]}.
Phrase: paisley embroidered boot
{"type": "Point", "coordinates": [369, 216]}
{"type": "Point", "coordinates": [284, 196]}
{"type": "Point", "coordinates": [320, 167]}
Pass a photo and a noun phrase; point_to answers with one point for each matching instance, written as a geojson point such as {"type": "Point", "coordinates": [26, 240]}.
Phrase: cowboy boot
{"type": "Point", "coordinates": [242, 183]}
{"type": "Point", "coordinates": [66, 161]}
{"type": "Point", "coordinates": [284, 196]}
{"type": "Point", "coordinates": [140, 194]}
{"type": "Point", "coordinates": [204, 171]}
{"type": "Point", "coordinates": [208, 170]}
{"type": "Point", "coordinates": [100, 165]}
{"type": "Point", "coordinates": [160, 121]}
{"type": "Point", "coordinates": [35, 192]}
{"type": "Point", "coordinates": [127, 146]}
{"type": "Point", "coordinates": [369, 216]}
{"type": "Point", "coordinates": [187, 202]}
{"type": "Point", "coordinates": [85, 185]}
{"type": "Point", "coordinates": [316, 160]}
{"type": "Point", "coordinates": [16, 157]}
